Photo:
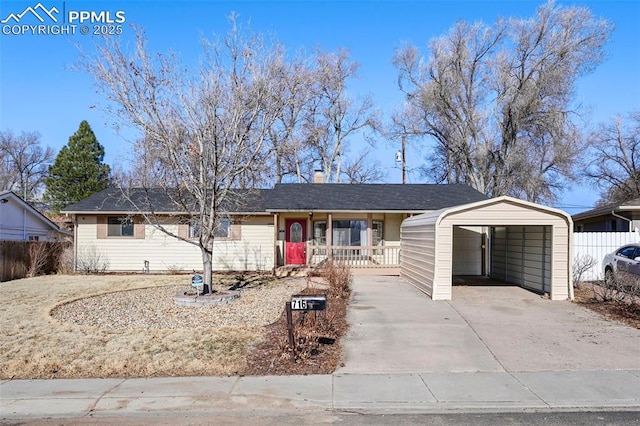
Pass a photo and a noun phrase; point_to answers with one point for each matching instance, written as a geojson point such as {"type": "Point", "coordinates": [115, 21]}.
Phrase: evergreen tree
{"type": "Point", "coordinates": [78, 170]}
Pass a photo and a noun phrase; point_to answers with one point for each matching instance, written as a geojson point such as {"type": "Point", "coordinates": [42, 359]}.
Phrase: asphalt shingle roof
{"type": "Point", "coordinates": [370, 197]}
{"type": "Point", "coordinates": [138, 199]}
{"type": "Point", "coordinates": [606, 209]}
{"type": "Point", "coordinates": [298, 197]}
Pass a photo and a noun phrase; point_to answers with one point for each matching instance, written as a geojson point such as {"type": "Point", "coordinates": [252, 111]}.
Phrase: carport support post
{"type": "Point", "coordinates": [292, 342]}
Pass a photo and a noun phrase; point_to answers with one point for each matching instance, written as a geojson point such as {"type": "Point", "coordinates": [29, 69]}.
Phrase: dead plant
{"type": "Point", "coordinates": [581, 264]}
{"type": "Point", "coordinates": [65, 261]}
{"type": "Point", "coordinates": [40, 254]}
{"type": "Point", "coordinates": [338, 277]}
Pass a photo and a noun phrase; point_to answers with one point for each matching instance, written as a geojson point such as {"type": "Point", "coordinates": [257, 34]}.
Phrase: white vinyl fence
{"type": "Point", "coordinates": [597, 245]}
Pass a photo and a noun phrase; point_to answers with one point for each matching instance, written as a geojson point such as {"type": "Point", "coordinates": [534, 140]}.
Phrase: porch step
{"type": "Point", "coordinates": [293, 271]}
{"type": "Point", "coordinates": [303, 270]}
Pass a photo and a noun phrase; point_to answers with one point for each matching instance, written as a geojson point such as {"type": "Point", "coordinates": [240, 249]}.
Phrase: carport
{"type": "Point", "coordinates": [502, 238]}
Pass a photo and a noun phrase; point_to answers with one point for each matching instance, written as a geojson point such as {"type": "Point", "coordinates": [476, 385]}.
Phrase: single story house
{"type": "Point", "coordinates": [288, 225]}
{"type": "Point", "coordinates": [619, 217]}
{"type": "Point", "coordinates": [20, 221]}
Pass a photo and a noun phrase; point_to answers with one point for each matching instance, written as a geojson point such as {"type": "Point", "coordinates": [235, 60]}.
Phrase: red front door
{"type": "Point", "coordinates": [296, 237]}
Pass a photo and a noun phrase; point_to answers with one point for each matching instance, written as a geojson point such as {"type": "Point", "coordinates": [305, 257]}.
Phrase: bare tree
{"type": "Point", "coordinates": [202, 132]}
{"type": "Point", "coordinates": [288, 151]}
{"type": "Point", "coordinates": [334, 116]}
{"type": "Point", "coordinates": [362, 169]}
{"type": "Point", "coordinates": [23, 163]}
{"type": "Point", "coordinates": [616, 161]}
{"type": "Point", "coordinates": [497, 100]}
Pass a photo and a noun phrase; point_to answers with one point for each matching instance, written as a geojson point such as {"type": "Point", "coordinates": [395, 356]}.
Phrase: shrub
{"type": "Point", "coordinates": [582, 264]}
{"type": "Point", "coordinates": [40, 255]}
{"type": "Point", "coordinates": [338, 277]}
{"type": "Point", "coordinates": [92, 260]}
{"type": "Point", "coordinates": [621, 288]}
{"type": "Point", "coordinates": [65, 261]}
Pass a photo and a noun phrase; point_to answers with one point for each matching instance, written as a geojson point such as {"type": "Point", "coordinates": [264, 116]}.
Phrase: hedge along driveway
{"type": "Point", "coordinates": [35, 345]}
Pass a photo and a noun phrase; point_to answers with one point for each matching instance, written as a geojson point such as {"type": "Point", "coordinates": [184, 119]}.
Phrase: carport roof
{"type": "Point", "coordinates": [436, 216]}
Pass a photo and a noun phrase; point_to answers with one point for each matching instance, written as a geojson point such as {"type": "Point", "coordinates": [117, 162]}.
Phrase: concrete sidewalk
{"type": "Point", "coordinates": [369, 393]}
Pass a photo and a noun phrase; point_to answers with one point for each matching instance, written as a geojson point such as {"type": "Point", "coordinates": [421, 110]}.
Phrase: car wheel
{"type": "Point", "coordinates": [609, 279]}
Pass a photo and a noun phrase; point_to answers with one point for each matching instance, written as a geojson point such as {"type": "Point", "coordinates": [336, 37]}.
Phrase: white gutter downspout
{"type": "Point", "coordinates": [24, 224]}
{"type": "Point", "coordinates": [614, 214]}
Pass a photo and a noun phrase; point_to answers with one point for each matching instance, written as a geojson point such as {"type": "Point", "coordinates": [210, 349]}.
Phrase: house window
{"type": "Point", "coordinates": [195, 230]}
{"type": "Point", "coordinates": [222, 228]}
{"type": "Point", "coordinates": [349, 232]}
{"type": "Point", "coordinates": [378, 234]}
{"type": "Point", "coordinates": [34, 238]}
{"type": "Point", "coordinates": [320, 232]}
{"type": "Point", "coordinates": [119, 226]}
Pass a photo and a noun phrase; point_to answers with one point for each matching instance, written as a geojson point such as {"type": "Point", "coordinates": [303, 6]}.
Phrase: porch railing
{"type": "Point", "coordinates": [355, 256]}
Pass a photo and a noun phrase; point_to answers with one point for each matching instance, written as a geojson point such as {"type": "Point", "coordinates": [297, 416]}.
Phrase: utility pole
{"type": "Point", "coordinates": [404, 161]}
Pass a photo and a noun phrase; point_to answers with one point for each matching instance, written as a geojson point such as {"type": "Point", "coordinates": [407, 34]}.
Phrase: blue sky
{"type": "Point", "coordinates": [40, 92]}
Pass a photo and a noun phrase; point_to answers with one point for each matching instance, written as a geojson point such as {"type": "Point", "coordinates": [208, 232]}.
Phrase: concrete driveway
{"type": "Point", "coordinates": [394, 328]}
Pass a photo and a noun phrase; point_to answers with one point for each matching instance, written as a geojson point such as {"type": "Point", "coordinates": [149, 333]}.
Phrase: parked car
{"type": "Point", "coordinates": [624, 262]}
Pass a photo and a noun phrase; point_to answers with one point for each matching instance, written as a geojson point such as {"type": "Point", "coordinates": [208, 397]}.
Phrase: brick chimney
{"type": "Point", "coordinates": [318, 177]}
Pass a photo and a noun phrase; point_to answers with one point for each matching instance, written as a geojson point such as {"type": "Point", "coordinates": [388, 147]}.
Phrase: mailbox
{"type": "Point", "coordinates": [197, 280]}
{"type": "Point", "coordinates": [309, 302]}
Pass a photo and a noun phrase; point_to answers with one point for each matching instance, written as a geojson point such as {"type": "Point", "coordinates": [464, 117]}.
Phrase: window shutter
{"type": "Point", "coordinates": [183, 230]}
{"type": "Point", "coordinates": [235, 230]}
{"type": "Point", "coordinates": [138, 228]}
{"type": "Point", "coordinates": [101, 227]}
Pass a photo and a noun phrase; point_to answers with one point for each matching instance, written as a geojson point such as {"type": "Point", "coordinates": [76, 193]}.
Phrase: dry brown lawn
{"type": "Point", "coordinates": [33, 344]}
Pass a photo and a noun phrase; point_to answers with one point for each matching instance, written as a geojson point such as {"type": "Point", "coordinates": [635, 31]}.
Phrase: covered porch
{"type": "Point", "coordinates": [363, 241]}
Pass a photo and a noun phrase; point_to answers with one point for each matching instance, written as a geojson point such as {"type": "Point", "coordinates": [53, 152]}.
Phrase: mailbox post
{"type": "Point", "coordinates": [302, 302]}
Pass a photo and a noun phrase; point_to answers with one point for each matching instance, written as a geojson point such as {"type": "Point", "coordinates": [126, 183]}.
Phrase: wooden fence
{"type": "Point", "coordinates": [19, 258]}
{"type": "Point", "coordinates": [597, 245]}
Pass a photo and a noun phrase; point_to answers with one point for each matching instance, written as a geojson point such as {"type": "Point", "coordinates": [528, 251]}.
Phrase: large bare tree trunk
{"type": "Point", "coordinates": [207, 262]}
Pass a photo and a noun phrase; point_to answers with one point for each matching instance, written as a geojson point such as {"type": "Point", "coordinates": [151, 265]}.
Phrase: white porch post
{"type": "Point", "coordinates": [329, 235]}
{"type": "Point", "coordinates": [370, 229]}
{"type": "Point", "coordinates": [275, 242]}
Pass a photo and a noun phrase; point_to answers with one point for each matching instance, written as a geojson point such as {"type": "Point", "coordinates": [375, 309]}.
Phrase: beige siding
{"type": "Point", "coordinates": [418, 256]}
{"type": "Point", "coordinates": [254, 251]}
{"type": "Point", "coordinates": [392, 224]}
{"type": "Point", "coordinates": [561, 262]}
{"type": "Point", "coordinates": [444, 266]}
{"type": "Point", "coordinates": [522, 256]}
{"type": "Point", "coordinates": [503, 214]}
{"type": "Point", "coordinates": [467, 250]}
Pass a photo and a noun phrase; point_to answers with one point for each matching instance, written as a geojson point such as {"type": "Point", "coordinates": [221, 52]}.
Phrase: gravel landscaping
{"type": "Point", "coordinates": [71, 326]}
{"type": "Point", "coordinates": [155, 309]}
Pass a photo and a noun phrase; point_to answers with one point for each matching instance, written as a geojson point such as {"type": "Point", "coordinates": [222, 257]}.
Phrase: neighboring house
{"type": "Point", "coordinates": [621, 217]}
{"type": "Point", "coordinates": [291, 224]}
{"type": "Point", "coordinates": [20, 221]}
